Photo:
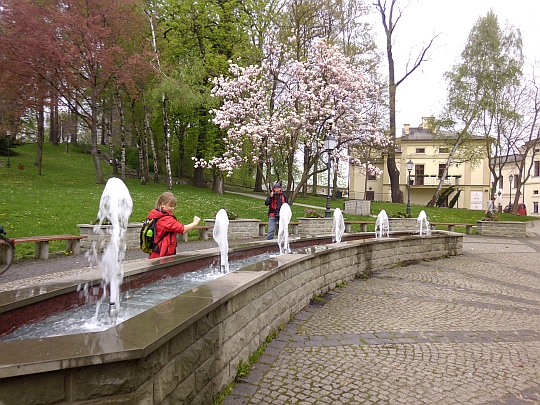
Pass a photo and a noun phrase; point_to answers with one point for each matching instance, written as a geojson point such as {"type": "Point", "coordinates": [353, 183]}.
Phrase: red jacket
{"type": "Point", "coordinates": [166, 229]}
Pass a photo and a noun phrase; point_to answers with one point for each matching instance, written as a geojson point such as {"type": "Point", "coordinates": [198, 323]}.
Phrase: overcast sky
{"type": "Point", "coordinates": [424, 92]}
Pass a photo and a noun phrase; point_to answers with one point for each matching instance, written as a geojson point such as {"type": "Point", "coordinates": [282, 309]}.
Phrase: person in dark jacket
{"type": "Point", "coordinates": [167, 226]}
{"type": "Point", "coordinates": [274, 202]}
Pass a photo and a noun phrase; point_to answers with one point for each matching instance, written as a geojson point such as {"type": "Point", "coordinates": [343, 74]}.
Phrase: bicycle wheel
{"type": "Point", "coordinates": [7, 253]}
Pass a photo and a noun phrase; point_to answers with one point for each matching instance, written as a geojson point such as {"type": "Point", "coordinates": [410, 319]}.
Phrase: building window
{"type": "Point", "coordinates": [419, 175]}
{"type": "Point", "coordinates": [441, 169]}
{"type": "Point", "coordinates": [535, 191]}
{"type": "Point", "coordinates": [535, 207]}
{"type": "Point", "coordinates": [444, 150]}
{"type": "Point", "coordinates": [420, 150]}
{"type": "Point", "coordinates": [537, 168]}
{"type": "Point", "coordinates": [501, 183]}
{"type": "Point", "coordinates": [371, 176]}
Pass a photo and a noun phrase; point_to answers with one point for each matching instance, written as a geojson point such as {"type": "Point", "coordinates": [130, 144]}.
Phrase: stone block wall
{"type": "Point", "coordinates": [187, 350]}
{"type": "Point", "coordinates": [315, 226]}
{"type": "Point", "coordinates": [403, 224]}
{"type": "Point", "coordinates": [510, 229]}
{"type": "Point", "coordinates": [239, 228]}
{"type": "Point", "coordinates": [357, 207]}
{"type": "Point", "coordinates": [132, 236]}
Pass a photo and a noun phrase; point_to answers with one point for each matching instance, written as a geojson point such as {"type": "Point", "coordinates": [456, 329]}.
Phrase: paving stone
{"type": "Point", "coordinates": [459, 330]}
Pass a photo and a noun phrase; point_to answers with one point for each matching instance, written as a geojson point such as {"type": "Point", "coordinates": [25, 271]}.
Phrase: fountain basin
{"type": "Point", "coordinates": [188, 348]}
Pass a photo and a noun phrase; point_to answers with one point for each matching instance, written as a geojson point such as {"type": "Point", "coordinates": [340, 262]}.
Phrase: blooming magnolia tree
{"type": "Point", "coordinates": [285, 107]}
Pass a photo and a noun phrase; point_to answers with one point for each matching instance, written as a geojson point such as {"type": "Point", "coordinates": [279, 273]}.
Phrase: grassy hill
{"type": "Point", "coordinates": [66, 194]}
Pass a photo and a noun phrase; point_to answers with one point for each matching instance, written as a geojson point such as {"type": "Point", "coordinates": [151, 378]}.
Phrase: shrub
{"type": "Point", "coordinates": [313, 214]}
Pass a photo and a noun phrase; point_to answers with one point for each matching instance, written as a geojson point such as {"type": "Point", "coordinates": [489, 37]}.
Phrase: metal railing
{"type": "Point", "coordinates": [434, 181]}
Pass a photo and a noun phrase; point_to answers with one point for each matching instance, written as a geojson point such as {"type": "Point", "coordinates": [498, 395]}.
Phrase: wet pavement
{"type": "Point", "coordinates": [460, 330]}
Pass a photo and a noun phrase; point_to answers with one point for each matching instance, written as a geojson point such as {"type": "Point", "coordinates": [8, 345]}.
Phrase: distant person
{"type": "Point", "coordinates": [491, 207]}
{"type": "Point", "coordinates": [274, 202]}
{"type": "Point", "coordinates": [167, 226]}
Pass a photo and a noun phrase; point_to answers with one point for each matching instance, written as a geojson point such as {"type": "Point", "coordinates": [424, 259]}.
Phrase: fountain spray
{"type": "Point", "coordinates": [221, 227]}
{"type": "Point", "coordinates": [115, 206]}
{"type": "Point", "coordinates": [285, 215]}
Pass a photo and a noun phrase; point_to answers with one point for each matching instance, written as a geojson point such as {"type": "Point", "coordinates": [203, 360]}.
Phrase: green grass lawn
{"type": "Point", "coordinates": [66, 194]}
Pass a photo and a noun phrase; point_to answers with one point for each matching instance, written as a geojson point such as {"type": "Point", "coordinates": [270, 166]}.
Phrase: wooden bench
{"type": "Point", "coordinates": [73, 243]}
{"type": "Point", "coordinates": [293, 225]}
{"type": "Point", "coordinates": [203, 232]}
{"type": "Point", "coordinates": [363, 225]}
{"type": "Point", "coordinates": [451, 225]}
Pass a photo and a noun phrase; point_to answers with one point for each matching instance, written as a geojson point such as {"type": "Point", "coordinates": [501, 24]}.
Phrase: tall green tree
{"type": "Point", "coordinates": [201, 37]}
{"type": "Point", "coordinates": [479, 91]}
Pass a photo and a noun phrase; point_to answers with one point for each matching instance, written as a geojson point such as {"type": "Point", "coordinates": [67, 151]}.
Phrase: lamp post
{"type": "Point", "coordinates": [510, 180]}
{"type": "Point", "coordinates": [270, 161]}
{"type": "Point", "coordinates": [329, 145]}
{"type": "Point", "coordinates": [410, 166]}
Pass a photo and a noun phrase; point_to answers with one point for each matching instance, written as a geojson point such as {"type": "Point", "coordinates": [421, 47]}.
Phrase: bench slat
{"type": "Point", "coordinates": [73, 243]}
{"type": "Point", "coordinates": [28, 239]}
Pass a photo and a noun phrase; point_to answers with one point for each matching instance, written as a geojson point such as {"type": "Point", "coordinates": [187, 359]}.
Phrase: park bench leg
{"type": "Point", "coordinates": [347, 228]}
{"type": "Point", "coordinates": [451, 228]}
{"type": "Point", "coordinates": [363, 227]}
{"type": "Point", "coordinates": [294, 229]}
{"type": "Point", "coordinates": [262, 229]}
{"type": "Point", "coordinates": [42, 250]}
{"type": "Point", "coordinates": [203, 234]}
{"type": "Point", "coordinates": [468, 229]}
{"type": "Point", "coordinates": [184, 236]}
{"type": "Point", "coordinates": [73, 246]}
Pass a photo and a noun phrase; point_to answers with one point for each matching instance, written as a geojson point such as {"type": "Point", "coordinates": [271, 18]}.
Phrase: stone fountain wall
{"type": "Point", "coordinates": [187, 350]}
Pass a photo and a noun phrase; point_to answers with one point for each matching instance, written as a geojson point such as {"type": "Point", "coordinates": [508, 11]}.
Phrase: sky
{"type": "Point", "coordinates": [424, 92]}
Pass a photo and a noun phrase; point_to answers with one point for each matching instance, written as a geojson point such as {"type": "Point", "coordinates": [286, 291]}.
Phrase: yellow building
{"type": "Point", "coordinates": [429, 155]}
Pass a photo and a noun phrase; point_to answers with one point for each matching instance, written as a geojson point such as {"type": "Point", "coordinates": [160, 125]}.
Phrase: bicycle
{"type": "Point", "coordinates": [7, 251]}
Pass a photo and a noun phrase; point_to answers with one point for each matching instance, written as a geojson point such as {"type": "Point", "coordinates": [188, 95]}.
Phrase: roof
{"type": "Point", "coordinates": [424, 134]}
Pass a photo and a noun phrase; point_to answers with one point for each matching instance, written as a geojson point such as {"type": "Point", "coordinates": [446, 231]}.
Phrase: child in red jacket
{"type": "Point", "coordinates": [167, 226]}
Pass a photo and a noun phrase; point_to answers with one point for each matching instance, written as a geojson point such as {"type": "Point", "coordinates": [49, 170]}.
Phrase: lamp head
{"type": "Point", "coordinates": [410, 165]}
{"type": "Point", "coordinates": [330, 142]}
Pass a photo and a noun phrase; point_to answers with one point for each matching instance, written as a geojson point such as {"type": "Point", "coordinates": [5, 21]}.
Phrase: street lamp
{"type": "Point", "coordinates": [511, 180]}
{"type": "Point", "coordinates": [329, 145]}
{"type": "Point", "coordinates": [410, 166]}
{"type": "Point", "coordinates": [270, 161]}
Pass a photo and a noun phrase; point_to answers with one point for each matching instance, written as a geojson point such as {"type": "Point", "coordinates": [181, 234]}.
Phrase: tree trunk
{"type": "Point", "coordinates": [153, 147]}
{"type": "Point", "coordinates": [94, 138]}
{"type": "Point", "coordinates": [258, 178]}
{"type": "Point", "coordinates": [122, 136]}
{"type": "Point", "coordinates": [393, 172]}
{"type": "Point", "coordinates": [167, 146]}
{"type": "Point", "coordinates": [315, 178]}
{"type": "Point", "coordinates": [437, 193]}
{"type": "Point", "coordinates": [198, 179]}
{"type": "Point", "coordinates": [40, 137]}
{"type": "Point", "coordinates": [217, 185]}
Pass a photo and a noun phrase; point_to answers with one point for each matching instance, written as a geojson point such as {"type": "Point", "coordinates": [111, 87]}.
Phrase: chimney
{"type": "Point", "coordinates": [406, 129]}
{"type": "Point", "coordinates": [426, 121]}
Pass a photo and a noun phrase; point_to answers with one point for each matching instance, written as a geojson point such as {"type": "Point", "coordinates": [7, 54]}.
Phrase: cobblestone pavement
{"type": "Point", "coordinates": [461, 330]}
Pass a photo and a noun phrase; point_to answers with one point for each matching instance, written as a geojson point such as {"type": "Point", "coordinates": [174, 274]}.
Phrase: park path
{"type": "Point", "coordinates": [459, 330]}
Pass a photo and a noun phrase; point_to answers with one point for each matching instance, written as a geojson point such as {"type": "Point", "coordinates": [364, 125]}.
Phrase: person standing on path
{"type": "Point", "coordinates": [274, 202]}
{"type": "Point", "coordinates": [490, 211]}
